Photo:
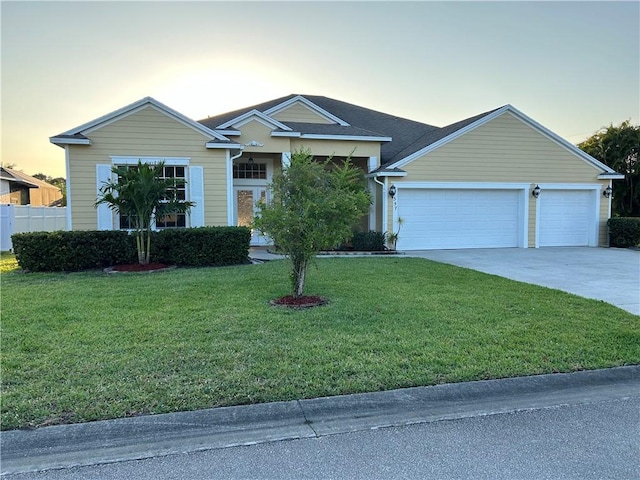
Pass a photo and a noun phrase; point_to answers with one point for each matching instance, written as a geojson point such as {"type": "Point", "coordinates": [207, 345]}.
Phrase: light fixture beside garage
{"type": "Point", "coordinates": [607, 192]}
{"type": "Point", "coordinates": [392, 191]}
{"type": "Point", "coordinates": [536, 191]}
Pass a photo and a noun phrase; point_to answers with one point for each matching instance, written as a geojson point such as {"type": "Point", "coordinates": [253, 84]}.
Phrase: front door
{"type": "Point", "coordinates": [245, 209]}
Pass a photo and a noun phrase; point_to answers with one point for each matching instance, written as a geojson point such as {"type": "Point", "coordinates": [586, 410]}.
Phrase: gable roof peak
{"type": "Point", "coordinates": [309, 104]}
{"type": "Point", "coordinates": [132, 108]}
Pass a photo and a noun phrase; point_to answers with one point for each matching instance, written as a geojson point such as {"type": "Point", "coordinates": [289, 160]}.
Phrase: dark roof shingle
{"type": "Point", "coordinates": [408, 136]}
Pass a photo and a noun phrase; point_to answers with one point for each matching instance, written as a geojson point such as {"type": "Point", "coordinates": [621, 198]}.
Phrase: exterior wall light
{"type": "Point", "coordinates": [536, 191]}
{"type": "Point", "coordinates": [607, 192]}
{"type": "Point", "coordinates": [392, 191]}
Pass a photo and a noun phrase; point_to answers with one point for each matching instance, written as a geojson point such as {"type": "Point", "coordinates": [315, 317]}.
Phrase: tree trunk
{"type": "Point", "coordinates": [298, 275]}
{"type": "Point", "coordinates": [140, 248]}
{"type": "Point", "coordinates": [147, 257]}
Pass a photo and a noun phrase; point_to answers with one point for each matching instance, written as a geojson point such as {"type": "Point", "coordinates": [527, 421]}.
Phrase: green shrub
{"type": "Point", "coordinates": [83, 250]}
{"type": "Point", "coordinates": [370, 241]}
{"type": "Point", "coordinates": [204, 246]}
{"type": "Point", "coordinates": [624, 231]}
{"type": "Point", "coordinates": [72, 251]}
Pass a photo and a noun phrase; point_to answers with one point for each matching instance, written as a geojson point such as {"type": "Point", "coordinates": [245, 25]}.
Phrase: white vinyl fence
{"type": "Point", "coordinates": [25, 218]}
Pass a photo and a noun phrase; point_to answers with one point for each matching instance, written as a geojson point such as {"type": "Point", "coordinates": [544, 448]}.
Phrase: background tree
{"type": "Point", "coordinates": [140, 194]}
{"type": "Point", "coordinates": [618, 147]}
{"type": "Point", "coordinates": [314, 206]}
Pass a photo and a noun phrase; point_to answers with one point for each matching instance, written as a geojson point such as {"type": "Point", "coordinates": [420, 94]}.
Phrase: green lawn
{"type": "Point", "coordinates": [88, 346]}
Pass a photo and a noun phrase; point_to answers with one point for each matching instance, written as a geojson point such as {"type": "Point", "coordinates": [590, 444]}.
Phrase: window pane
{"type": "Point", "coordinates": [255, 171]}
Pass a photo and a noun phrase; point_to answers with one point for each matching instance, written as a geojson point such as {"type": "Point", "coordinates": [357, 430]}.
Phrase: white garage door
{"type": "Point", "coordinates": [464, 218]}
{"type": "Point", "coordinates": [567, 218]}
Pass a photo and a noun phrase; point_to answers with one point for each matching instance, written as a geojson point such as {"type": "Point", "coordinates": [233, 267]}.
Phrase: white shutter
{"type": "Point", "coordinates": [196, 195]}
{"type": "Point", "coordinates": [105, 216]}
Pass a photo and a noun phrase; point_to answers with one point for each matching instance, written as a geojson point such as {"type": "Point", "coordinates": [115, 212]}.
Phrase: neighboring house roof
{"type": "Point", "coordinates": [13, 176]}
{"type": "Point", "coordinates": [402, 139]}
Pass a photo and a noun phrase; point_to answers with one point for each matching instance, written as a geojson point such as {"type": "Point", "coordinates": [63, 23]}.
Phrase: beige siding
{"type": "Point", "coordinates": [146, 133]}
{"type": "Point", "coordinates": [256, 131]}
{"type": "Point", "coordinates": [338, 148]}
{"type": "Point", "coordinates": [506, 150]}
{"type": "Point", "coordinates": [502, 150]}
{"type": "Point", "coordinates": [299, 112]}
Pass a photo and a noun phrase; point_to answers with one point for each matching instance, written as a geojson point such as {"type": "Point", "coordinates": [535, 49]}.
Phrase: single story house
{"type": "Point", "coordinates": [497, 179]}
{"type": "Point", "coordinates": [18, 188]}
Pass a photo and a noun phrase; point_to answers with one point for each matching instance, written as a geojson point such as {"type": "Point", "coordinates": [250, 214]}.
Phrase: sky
{"type": "Point", "coordinates": [574, 67]}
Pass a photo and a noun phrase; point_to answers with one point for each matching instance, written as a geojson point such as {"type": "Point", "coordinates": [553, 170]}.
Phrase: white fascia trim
{"type": "Point", "coordinates": [224, 145]}
{"type": "Point", "coordinates": [386, 174]}
{"type": "Point", "coordinates": [290, 134]}
{"type": "Point", "coordinates": [173, 161]}
{"type": "Point", "coordinates": [466, 185]}
{"type": "Point", "coordinates": [254, 115]}
{"type": "Point", "coordinates": [320, 111]}
{"type": "Point", "coordinates": [608, 176]}
{"type": "Point", "coordinates": [228, 133]}
{"type": "Point", "coordinates": [136, 107]}
{"type": "Point", "coordinates": [357, 138]}
{"type": "Point", "coordinates": [69, 141]}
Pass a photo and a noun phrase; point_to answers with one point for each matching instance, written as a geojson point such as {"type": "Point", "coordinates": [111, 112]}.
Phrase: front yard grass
{"type": "Point", "coordinates": [88, 346]}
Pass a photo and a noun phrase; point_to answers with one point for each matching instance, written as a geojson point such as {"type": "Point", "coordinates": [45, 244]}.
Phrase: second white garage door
{"type": "Point", "coordinates": [567, 218]}
{"type": "Point", "coordinates": [459, 218]}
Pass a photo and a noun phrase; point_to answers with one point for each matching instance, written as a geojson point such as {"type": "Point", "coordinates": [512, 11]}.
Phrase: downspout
{"type": "Point", "coordinates": [384, 202]}
{"type": "Point", "coordinates": [230, 198]}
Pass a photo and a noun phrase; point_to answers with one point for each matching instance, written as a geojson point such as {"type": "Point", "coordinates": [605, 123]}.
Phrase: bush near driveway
{"type": "Point", "coordinates": [624, 231]}
{"type": "Point", "coordinates": [185, 339]}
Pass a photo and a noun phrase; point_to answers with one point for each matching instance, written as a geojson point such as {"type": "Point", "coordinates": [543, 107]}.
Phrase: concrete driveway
{"type": "Point", "coordinates": [608, 274]}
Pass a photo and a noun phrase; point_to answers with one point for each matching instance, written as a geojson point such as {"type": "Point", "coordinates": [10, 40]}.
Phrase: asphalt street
{"type": "Point", "coordinates": [598, 440]}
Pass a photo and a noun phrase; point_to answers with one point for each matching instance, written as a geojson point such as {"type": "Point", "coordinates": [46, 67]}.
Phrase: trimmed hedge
{"type": "Point", "coordinates": [624, 231]}
{"type": "Point", "coordinates": [203, 246]}
{"type": "Point", "coordinates": [370, 241]}
{"type": "Point", "coordinates": [83, 250]}
{"type": "Point", "coordinates": [73, 251]}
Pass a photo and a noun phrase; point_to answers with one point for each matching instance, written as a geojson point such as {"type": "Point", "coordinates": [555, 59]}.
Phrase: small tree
{"type": "Point", "coordinates": [142, 195]}
{"type": "Point", "coordinates": [314, 206]}
{"type": "Point", "coordinates": [618, 148]}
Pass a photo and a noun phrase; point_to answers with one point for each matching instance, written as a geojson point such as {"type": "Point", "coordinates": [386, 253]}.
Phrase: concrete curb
{"type": "Point", "coordinates": [157, 435]}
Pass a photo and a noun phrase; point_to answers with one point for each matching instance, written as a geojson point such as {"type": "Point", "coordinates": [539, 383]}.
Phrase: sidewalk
{"type": "Point", "coordinates": [159, 435]}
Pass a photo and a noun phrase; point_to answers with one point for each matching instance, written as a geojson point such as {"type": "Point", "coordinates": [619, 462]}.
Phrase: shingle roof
{"type": "Point", "coordinates": [331, 129]}
{"type": "Point", "coordinates": [15, 176]}
{"type": "Point", "coordinates": [408, 136]}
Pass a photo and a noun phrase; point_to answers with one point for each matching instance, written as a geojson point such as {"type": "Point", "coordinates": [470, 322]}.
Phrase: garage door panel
{"type": "Point", "coordinates": [439, 218]}
{"type": "Point", "coordinates": [566, 218]}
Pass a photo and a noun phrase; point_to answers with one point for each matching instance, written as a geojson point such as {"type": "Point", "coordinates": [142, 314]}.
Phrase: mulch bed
{"type": "Point", "coordinates": [305, 301]}
{"type": "Point", "coordinates": [138, 268]}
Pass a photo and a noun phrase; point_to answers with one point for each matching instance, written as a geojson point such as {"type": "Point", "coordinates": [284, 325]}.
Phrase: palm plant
{"type": "Point", "coordinates": [142, 195]}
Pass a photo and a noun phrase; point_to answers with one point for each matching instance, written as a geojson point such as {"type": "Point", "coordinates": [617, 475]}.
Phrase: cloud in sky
{"type": "Point", "coordinates": [572, 66]}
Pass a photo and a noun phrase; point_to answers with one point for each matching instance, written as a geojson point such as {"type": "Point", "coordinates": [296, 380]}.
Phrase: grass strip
{"type": "Point", "coordinates": [89, 346]}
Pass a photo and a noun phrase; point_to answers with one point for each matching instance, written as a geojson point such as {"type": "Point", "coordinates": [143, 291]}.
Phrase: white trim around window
{"type": "Point", "coordinates": [169, 161]}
